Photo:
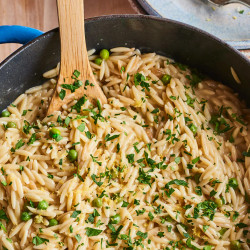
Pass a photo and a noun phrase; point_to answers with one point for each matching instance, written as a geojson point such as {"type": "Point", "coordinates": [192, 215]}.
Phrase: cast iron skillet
{"type": "Point", "coordinates": [188, 45]}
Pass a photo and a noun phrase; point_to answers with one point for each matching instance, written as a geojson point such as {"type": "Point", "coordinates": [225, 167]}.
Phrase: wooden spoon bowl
{"type": "Point", "coordinates": [76, 78]}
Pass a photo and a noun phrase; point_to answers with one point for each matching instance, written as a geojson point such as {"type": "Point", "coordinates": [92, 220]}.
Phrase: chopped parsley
{"type": "Point", "coordinates": [76, 73]}
{"type": "Point", "coordinates": [220, 123]}
{"type": "Point", "coordinates": [118, 147]}
{"type": "Point", "coordinates": [67, 121]}
{"type": "Point", "coordinates": [136, 202]}
{"type": "Point", "coordinates": [177, 160]}
{"type": "Point", "coordinates": [207, 208]}
{"type": "Point", "coordinates": [160, 234]}
{"type": "Point", "coordinates": [32, 139]}
{"type": "Point", "coordinates": [88, 134]}
{"type": "Point", "coordinates": [151, 216]}
{"type": "Point", "coordinates": [62, 94]}
{"type": "Point", "coordinates": [81, 127]}
{"type": "Point", "coordinates": [246, 154]}
{"type": "Point", "coordinates": [75, 214]}
{"type": "Point", "coordinates": [130, 158]}
{"type": "Point", "coordinates": [141, 234]}
{"type": "Point", "coordinates": [139, 79]}
{"type": "Point", "coordinates": [92, 231]}
{"type": "Point", "coordinates": [241, 225]}
{"type": "Point", "coordinates": [98, 183]}
{"type": "Point", "coordinates": [195, 160]}
{"type": "Point", "coordinates": [125, 204]}
{"type": "Point", "coordinates": [213, 193]}
{"type": "Point", "coordinates": [139, 212]}
{"type": "Point", "coordinates": [193, 128]}
{"type": "Point", "coordinates": [110, 138]}
{"type": "Point", "coordinates": [176, 182]}
{"type": "Point", "coordinates": [38, 241]}
{"type": "Point", "coordinates": [50, 176]}
{"type": "Point", "coordinates": [72, 87]}
{"type": "Point", "coordinates": [94, 159]}
{"type": "Point", "coordinates": [19, 144]}
{"type": "Point", "coordinates": [79, 104]}
{"type": "Point", "coordinates": [155, 111]}
{"type": "Point", "coordinates": [190, 101]}
{"type": "Point", "coordinates": [3, 227]}
{"type": "Point", "coordinates": [78, 237]}
{"type": "Point", "coordinates": [136, 149]}
{"type": "Point", "coordinates": [4, 183]}
{"type": "Point", "coordinates": [198, 190]}
{"type": "Point", "coordinates": [236, 215]}
{"type": "Point", "coordinates": [114, 232]}
{"type": "Point", "coordinates": [144, 177]}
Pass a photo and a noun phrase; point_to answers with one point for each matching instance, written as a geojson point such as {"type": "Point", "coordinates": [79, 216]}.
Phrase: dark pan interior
{"type": "Point", "coordinates": [24, 68]}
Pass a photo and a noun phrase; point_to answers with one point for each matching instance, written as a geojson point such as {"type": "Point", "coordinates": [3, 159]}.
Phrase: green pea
{"type": "Point", "coordinates": [72, 155]}
{"type": "Point", "coordinates": [5, 113]}
{"type": "Point", "coordinates": [219, 202]}
{"type": "Point", "coordinates": [97, 202]}
{"type": "Point", "coordinates": [235, 245]}
{"type": "Point", "coordinates": [114, 173]}
{"type": "Point", "coordinates": [166, 79]}
{"type": "Point", "coordinates": [25, 216]}
{"type": "Point", "coordinates": [11, 125]}
{"type": "Point", "coordinates": [233, 183]}
{"type": "Point", "coordinates": [104, 54]}
{"type": "Point", "coordinates": [43, 205]}
{"type": "Point", "coordinates": [98, 61]}
{"type": "Point", "coordinates": [54, 132]}
{"type": "Point", "coordinates": [53, 222]}
{"type": "Point", "coordinates": [115, 219]}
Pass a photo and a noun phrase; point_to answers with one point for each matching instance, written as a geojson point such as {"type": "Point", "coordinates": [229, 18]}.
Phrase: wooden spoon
{"type": "Point", "coordinates": [73, 57]}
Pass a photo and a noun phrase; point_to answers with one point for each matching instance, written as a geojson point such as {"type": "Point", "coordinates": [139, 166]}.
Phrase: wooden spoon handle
{"type": "Point", "coordinates": [72, 34]}
{"type": "Point", "coordinates": [73, 56]}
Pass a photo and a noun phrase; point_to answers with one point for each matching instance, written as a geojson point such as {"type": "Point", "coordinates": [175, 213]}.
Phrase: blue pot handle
{"type": "Point", "coordinates": [18, 34]}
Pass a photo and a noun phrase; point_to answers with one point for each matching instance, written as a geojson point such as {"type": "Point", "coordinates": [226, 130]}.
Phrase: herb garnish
{"type": "Point", "coordinates": [110, 138]}
{"type": "Point", "coordinates": [62, 94]}
{"type": "Point", "coordinates": [207, 208]}
{"type": "Point", "coordinates": [75, 214]}
{"type": "Point", "coordinates": [38, 241]}
{"type": "Point", "coordinates": [19, 144]}
{"type": "Point", "coordinates": [139, 79]}
{"type": "Point", "coordinates": [98, 183]}
{"type": "Point", "coordinates": [92, 231]}
{"type": "Point", "coordinates": [79, 104]}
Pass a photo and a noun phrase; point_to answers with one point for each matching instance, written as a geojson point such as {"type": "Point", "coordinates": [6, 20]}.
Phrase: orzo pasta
{"type": "Point", "coordinates": [164, 165]}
